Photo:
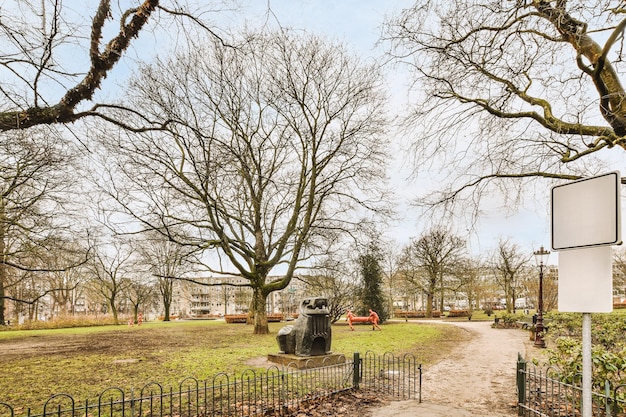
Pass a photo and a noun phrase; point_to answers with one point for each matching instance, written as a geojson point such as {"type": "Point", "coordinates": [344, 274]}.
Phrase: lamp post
{"type": "Point", "coordinates": [541, 257]}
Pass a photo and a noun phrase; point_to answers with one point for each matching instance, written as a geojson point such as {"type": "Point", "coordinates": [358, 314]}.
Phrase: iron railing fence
{"type": "Point", "coordinates": [276, 391]}
{"type": "Point", "coordinates": [542, 392]}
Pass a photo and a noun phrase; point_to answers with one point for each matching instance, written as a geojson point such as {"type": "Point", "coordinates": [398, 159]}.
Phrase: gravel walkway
{"type": "Point", "coordinates": [477, 379]}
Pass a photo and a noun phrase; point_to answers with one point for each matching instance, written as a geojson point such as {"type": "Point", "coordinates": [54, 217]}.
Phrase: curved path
{"type": "Point", "coordinates": [475, 379]}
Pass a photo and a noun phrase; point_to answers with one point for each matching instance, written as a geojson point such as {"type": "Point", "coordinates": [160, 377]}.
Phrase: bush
{"type": "Point", "coordinates": [63, 322]}
{"type": "Point", "coordinates": [509, 320]}
{"type": "Point", "coordinates": [608, 351]}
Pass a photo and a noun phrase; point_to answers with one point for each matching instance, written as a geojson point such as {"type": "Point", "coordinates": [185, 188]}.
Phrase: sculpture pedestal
{"type": "Point", "coordinates": [306, 362]}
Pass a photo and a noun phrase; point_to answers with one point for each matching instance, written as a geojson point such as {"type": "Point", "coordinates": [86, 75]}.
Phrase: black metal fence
{"type": "Point", "coordinates": [276, 391]}
{"type": "Point", "coordinates": [541, 392]}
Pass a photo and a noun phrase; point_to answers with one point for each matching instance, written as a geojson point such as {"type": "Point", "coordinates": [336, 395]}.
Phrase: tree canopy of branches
{"type": "Point", "coordinates": [32, 192]}
{"type": "Point", "coordinates": [34, 39]}
{"type": "Point", "coordinates": [428, 260]}
{"type": "Point", "coordinates": [110, 270]}
{"type": "Point", "coordinates": [166, 261]}
{"type": "Point", "coordinates": [55, 54]}
{"type": "Point", "coordinates": [513, 89]}
{"type": "Point", "coordinates": [331, 278]}
{"type": "Point", "coordinates": [269, 148]}
{"type": "Point", "coordinates": [509, 265]}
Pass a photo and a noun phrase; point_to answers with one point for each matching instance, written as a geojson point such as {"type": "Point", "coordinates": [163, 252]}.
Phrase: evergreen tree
{"type": "Point", "coordinates": [372, 275]}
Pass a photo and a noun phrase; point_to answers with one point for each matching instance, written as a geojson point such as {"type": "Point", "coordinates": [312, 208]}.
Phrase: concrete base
{"type": "Point", "coordinates": [306, 362]}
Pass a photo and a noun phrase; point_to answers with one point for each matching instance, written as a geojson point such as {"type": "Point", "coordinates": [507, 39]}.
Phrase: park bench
{"type": "Point", "coordinates": [236, 318]}
{"type": "Point", "coordinates": [527, 323]}
{"type": "Point", "coordinates": [242, 318]}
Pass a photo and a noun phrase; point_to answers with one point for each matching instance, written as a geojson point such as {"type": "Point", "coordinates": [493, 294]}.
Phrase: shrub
{"type": "Point", "coordinates": [509, 320]}
{"type": "Point", "coordinates": [608, 351]}
{"type": "Point", "coordinates": [63, 322]}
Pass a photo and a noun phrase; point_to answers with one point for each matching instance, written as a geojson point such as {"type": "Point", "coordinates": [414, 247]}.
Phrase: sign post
{"type": "Point", "coordinates": [586, 221]}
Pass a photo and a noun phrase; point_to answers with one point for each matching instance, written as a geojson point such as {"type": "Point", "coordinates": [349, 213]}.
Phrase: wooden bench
{"type": "Point", "coordinates": [236, 318]}
{"type": "Point", "coordinates": [243, 318]}
{"type": "Point", "coordinates": [527, 324]}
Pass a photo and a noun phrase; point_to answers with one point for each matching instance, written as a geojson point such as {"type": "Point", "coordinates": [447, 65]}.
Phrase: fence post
{"type": "Point", "coordinates": [356, 370]}
{"type": "Point", "coordinates": [521, 383]}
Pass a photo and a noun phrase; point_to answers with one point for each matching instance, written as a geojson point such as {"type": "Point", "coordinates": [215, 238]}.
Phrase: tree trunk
{"type": "Point", "coordinates": [3, 268]}
{"type": "Point", "coordinates": [135, 313]}
{"type": "Point", "coordinates": [114, 310]}
{"type": "Point", "coordinates": [259, 303]}
{"type": "Point", "coordinates": [166, 306]}
{"type": "Point", "coordinates": [429, 304]}
{"type": "Point", "coordinates": [2, 302]}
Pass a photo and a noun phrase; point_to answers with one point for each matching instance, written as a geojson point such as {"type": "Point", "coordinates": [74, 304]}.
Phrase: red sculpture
{"type": "Point", "coordinates": [372, 318]}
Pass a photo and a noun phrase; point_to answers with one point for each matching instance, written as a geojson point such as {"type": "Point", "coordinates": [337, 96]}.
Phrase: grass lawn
{"type": "Point", "coordinates": [82, 362]}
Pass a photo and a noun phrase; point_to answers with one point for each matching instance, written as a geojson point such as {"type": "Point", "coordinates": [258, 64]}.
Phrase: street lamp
{"type": "Point", "coordinates": [541, 257]}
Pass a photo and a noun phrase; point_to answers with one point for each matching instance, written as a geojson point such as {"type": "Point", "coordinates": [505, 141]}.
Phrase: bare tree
{"type": "Point", "coordinates": [428, 260]}
{"type": "Point", "coordinates": [34, 219]}
{"type": "Point", "coordinates": [512, 89]}
{"type": "Point", "coordinates": [270, 147]}
{"type": "Point", "coordinates": [166, 262]}
{"type": "Point", "coordinates": [331, 277]}
{"type": "Point", "coordinates": [390, 266]}
{"type": "Point", "coordinates": [66, 283]}
{"type": "Point", "coordinates": [470, 282]}
{"type": "Point", "coordinates": [31, 56]}
{"type": "Point", "coordinates": [110, 274]}
{"type": "Point", "coordinates": [140, 292]}
{"type": "Point", "coordinates": [509, 265]}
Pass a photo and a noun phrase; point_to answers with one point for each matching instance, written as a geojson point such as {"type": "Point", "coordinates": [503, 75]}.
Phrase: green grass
{"type": "Point", "coordinates": [82, 362]}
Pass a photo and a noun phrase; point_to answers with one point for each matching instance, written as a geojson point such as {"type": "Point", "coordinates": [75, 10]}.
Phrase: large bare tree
{"type": "Point", "coordinates": [427, 261]}
{"type": "Point", "coordinates": [509, 265]}
{"type": "Point", "coordinates": [110, 270]}
{"type": "Point", "coordinates": [269, 147]}
{"type": "Point", "coordinates": [166, 261]}
{"type": "Point", "coordinates": [34, 214]}
{"type": "Point", "coordinates": [512, 89]}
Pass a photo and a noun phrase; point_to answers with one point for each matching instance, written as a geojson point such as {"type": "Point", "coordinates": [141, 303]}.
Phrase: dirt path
{"type": "Point", "coordinates": [476, 379]}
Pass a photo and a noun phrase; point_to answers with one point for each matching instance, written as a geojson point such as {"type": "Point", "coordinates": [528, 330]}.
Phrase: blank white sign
{"type": "Point", "coordinates": [586, 280]}
{"type": "Point", "coordinates": [587, 212]}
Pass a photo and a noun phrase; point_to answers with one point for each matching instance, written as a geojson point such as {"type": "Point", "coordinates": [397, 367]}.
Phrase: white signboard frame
{"type": "Point", "coordinates": [586, 280]}
{"type": "Point", "coordinates": [586, 212]}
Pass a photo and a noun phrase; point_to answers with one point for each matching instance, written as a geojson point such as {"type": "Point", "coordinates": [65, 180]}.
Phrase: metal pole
{"type": "Point", "coordinates": [539, 342]}
{"type": "Point", "coordinates": [587, 406]}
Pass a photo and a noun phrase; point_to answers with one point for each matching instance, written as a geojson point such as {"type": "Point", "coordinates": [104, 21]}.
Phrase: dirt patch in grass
{"type": "Point", "coordinates": [114, 342]}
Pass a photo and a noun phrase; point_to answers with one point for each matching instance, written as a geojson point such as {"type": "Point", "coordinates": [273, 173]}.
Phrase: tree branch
{"type": "Point", "coordinates": [101, 64]}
